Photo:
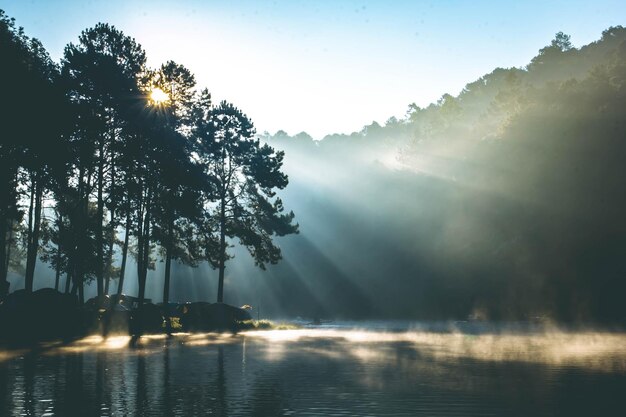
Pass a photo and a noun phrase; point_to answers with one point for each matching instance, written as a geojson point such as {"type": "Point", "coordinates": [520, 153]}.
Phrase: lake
{"type": "Point", "coordinates": [344, 369]}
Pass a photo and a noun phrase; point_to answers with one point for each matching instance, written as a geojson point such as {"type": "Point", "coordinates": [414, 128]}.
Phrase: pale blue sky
{"type": "Point", "coordinates": [327, 67]}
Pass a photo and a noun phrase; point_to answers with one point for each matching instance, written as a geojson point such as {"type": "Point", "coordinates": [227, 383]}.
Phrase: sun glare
{"type": "Point", "coordinates": [158, 96]}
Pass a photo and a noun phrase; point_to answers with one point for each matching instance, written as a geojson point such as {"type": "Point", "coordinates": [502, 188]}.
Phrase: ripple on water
{"type": "Point", "coordinates": [322, 372]}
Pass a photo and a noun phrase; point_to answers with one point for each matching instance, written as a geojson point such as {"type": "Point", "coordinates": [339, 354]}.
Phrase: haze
{"type": "Point", "coordinates": [501, 200]}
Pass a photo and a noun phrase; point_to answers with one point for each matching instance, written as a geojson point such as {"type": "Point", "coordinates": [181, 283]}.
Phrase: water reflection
{"type": "Point", "coordinates": [600, 351]}
{"type": "Point", "coordinates": [322, 372]}
{"type": "Point", "coordinates": [167, 403]}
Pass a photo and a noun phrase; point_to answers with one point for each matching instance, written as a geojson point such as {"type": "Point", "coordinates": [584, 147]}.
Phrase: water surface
{"type": "Point", "coordinates": [348, 369]}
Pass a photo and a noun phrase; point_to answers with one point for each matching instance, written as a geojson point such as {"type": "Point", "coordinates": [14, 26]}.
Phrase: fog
{"type": "Point", "coordinates": [504, 202]}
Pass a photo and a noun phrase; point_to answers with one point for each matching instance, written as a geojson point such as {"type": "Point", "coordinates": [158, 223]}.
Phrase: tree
{"type": "Point", "coordinates": [29, 152]}
{"type": "Point", "coordinates": [561, 42]}
{"type": "Point", "coordinates": [54, 238]}
{"type": "Point", "coordinates": [244, 174]}
{"type": "Point", "coordinates": [553, 60]}
{"type": "Point", "coordinates": [102, 72]}
{"type": "Point", "coordinates": [179, 190]}
{"type": "Point", "coordinates": [179, 173]}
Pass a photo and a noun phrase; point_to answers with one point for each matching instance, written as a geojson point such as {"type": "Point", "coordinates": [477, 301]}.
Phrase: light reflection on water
{"type": "Point", "coordinates": [588, 350]}
{"type": "Point", "coordinates": [323, 371]}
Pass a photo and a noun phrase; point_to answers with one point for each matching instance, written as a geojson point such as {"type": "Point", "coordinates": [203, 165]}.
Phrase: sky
{"type": "Point", "coordinates": [327, 66]}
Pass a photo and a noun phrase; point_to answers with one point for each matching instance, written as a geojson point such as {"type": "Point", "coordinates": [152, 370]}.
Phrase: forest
{"type": "Point", "coordinates": [103, 156]}
{"type": "Point", "coordinates": [504, 202]}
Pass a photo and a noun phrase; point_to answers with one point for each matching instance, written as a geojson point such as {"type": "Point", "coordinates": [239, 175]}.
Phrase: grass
{"type": "Point", "coordinates": [265, 325]}
{"type": "Point", "coordinates": [174, 323]}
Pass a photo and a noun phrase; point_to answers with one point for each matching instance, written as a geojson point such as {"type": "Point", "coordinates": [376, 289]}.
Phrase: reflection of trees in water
{"type": "Point", "coordinates": [4, 388]}
{"type": "Point", "coordinates": [198, 380]}
{"type": "Point", "coordinates": [272, 378]}
{"type": "Point", "coordinates": [18, 387]}
{"type": "Point", "coordinates": [214, 379]}
{"type": "Point", "coordinates": [220, 385]}
{"type": "Point", "coordinates": [142, 395]}
{"type": "Point", "coordinates": [29, 384]}
{"type": "Point", "coordinates": [167, 402]}
{"type": "Point", "coordinates": [267, 398]}
{"type": "Point", "coordinates": [72, 397]}
{"type": "Point", "coordinates": [58, 381]}
{"type": "Point", "coordinates": [171, 381]}
{"type": "Point", "coordinates": [72, 394]}
{"type": "Point", "coordinates": [102, 398]}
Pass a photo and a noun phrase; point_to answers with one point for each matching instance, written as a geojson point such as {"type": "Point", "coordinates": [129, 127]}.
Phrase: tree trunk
{"type": "Point", "coordinates": [81, 291]}
{"type": "Point", "coordinates": [31, 257]}
{"type": "Point", "coordinates": [146, 253]}
{"type": "Point", "coordinates": [80, 233]}
{"type": "Point", "coordinates": [142, 266]}
{"type": "Point", "coordinates": [107, 279]}
{"type": "Point", "coordinates": [99, 231]}
{"type": "Point", "coordinates": [29, 233]}
{"type": "Point", "coordinates": [75, 280]}
{"type": "Point", "coordinates": [5, 243]}
{"type": "Point", "coordinates": [140, 289]}
{"type": "Point", "coordinates": [112, 240]}
{"type": "Point", "coordinates": [139, 250]}
{"type": "Point", "coordinates": [166, 291]}
{"type": "Point", "coordinates": [4, 258]}
{"type": "Point", "coordinates": [4, 218]}
{"type": "Point", "coordinates": [110, 255]}
{"type": "Point", "coordinates": [9, 243]}
{"type": "Point", "coordinates": [8, 186]}
{"type": "Point", "coordinates": [57, 275]}
{"type": "Point", "coordinates": [70, 270]}
{"type": "Point", "coordinates": [120, 284]}
{"type": "Point", "coordinates": [168, 266]}
{"type": "Point", "coordinates": [68, 280]}
{"type": "Point", "coordinates": [142, 259]}
{"type": "Point", "coordinates": [58, 261]}
{"type": "Point", "coordinates": [222, 266]}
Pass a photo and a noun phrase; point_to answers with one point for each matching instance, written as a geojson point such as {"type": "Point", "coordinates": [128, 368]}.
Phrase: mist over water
{"type": "Point", "coordinates": [373, 368]}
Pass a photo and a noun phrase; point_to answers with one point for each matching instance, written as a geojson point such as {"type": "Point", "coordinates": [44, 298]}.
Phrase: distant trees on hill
{"type": "Point", "coordinates": [510, 195]}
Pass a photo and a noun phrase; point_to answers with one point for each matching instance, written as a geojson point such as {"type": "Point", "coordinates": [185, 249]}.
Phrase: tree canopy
{"type": "Point", "coordinates": [125, 157]}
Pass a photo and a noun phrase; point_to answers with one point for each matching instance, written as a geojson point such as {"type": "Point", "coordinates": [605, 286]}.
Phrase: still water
{"type": "Point", "coordinates": [335, 370]}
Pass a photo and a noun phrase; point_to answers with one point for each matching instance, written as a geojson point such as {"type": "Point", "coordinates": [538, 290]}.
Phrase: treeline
{"type": "Point", "coordinates": [504, 201]}
{"type": "Point", "coordinates": [102, 158]}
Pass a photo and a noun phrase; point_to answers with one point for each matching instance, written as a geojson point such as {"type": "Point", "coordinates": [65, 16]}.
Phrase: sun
{"type": "Point", "coordinates": [158, 96]}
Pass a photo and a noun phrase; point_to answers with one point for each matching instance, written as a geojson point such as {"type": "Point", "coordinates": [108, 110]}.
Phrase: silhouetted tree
{"type": "Point", "coordinates": [244, 174]}
{"type": "Point", "coordinates": [102, 72]}
{"type": "Point", "coordinates": [180, 180]}
{"type": "Point", "coordinates": [30, 151]}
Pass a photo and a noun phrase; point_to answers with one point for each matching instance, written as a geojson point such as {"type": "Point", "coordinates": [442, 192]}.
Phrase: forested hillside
{"type": "Point", "coordinates": [505, 201]}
